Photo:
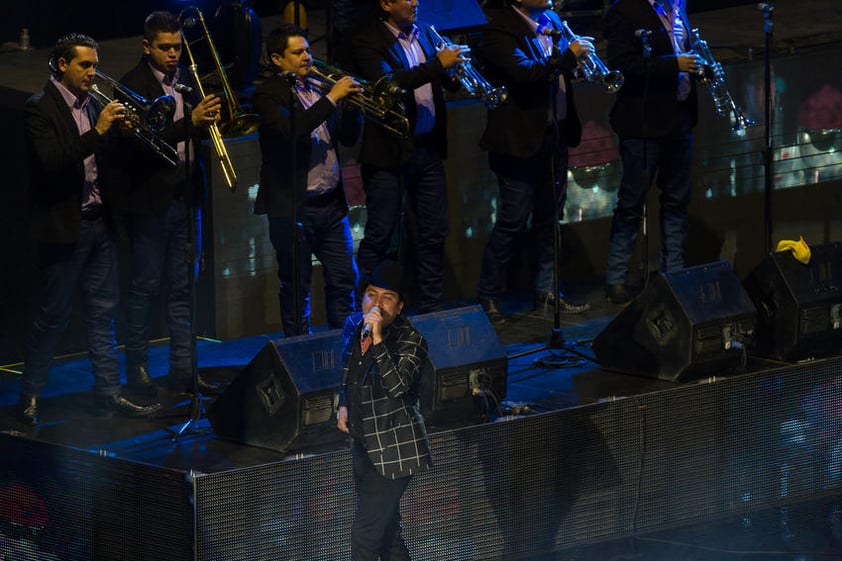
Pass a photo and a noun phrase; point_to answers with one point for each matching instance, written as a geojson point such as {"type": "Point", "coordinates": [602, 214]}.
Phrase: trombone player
{"type": "Point", "coordinates": [301, 179]}
{"type": "Point", "coordinates": [156, 201]}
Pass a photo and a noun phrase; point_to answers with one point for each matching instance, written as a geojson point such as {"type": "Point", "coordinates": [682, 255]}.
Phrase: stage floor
{"type": "Point", "coordinates": [539, 381]}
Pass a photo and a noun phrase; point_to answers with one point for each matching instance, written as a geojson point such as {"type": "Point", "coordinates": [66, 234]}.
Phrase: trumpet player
{"type": "Point", "coordinates": [653, 116]}
{"type": "Point", "coordinates": [398, 44]}
{"type": "Point", "coordinates": [306, 194]}
{"type": "Point", "coordinates": [527, 140]}
{"type": "Point", "coordinates": [72, 220]}
{"type": "Point", "coordinates": [156, 204]}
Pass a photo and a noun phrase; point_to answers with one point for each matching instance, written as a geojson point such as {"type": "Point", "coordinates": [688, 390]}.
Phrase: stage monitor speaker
{"type": "Point", "coordinates": [685, 325]}
{"type": "Point", "coordinates": [799, 307]}
{"type": "Point", "coordinates": [286, 396]}
{"type": "Point", "coordinates": [465, 376]}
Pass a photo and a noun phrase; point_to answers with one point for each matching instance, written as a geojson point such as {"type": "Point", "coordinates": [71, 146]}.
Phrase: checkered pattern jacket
{"type": "Point", "coordinates": [392, 430]}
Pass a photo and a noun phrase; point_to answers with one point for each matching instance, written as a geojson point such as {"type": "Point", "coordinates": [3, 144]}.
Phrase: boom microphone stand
{"type": "Point", "coordinates": [644, 35]}
{"type": "Point", "coordinates": [294, 105]}
{"type": "Point", "coordinates": [768, 155]}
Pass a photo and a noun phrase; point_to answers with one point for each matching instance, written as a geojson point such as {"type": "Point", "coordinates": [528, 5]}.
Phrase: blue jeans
{"type": "Point", "coordinates": [158, 245]}
{"type": "Point", "coordinates": [426, 189]}
{"type": "Point", "coordinates": [90, 263]}
{"type": "Point", "coordinates": [376, 531]}
{"type": "Point", "coordinates": [672, 158]}
{"type": "Point", "coordinates": [325, 233]}
{"type": "Point", "coordinates": [525, 189]}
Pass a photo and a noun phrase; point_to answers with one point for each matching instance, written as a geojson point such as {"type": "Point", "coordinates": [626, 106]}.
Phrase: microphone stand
{"type": "Point", "coordinates": [197, 409]}
{"type": "Point", "coordinates": [294, 104]}
{"type": "Point", "coordinates": [768, 155]}
{"type": "Point", "coordinates": [644, 219]}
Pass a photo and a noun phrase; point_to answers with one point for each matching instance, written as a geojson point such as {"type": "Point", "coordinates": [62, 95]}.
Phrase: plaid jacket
{"type": "Point", "coordinates": [387, 379]}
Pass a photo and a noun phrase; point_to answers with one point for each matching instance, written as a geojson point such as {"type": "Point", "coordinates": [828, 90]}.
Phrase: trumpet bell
{"type": "Point", "coordinates": [240, 125]}
{"type": "Point", "coordinates": [613, 81]}
{"type": "Point", "coordinates": [160, 113]}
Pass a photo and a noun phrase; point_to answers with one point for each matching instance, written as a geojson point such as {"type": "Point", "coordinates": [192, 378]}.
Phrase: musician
{"type": "Point", "coordinates": [398, 44]}
{"type": "Point", "coordinates": [156, 203]}
{"type": "Point", "coordinates": [316, 124]}
{"type": "Point", "coordinates": [72, 219]}
{"type": "Point", "coordinates": [525, 138]}
{"type": "Point", "coordinates": [378, 407]}
{"type": "Point", "coordinates": [657, 133]}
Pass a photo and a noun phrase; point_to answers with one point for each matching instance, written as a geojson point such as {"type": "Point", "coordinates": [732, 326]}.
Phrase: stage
{"type": "Point", "coordinates": [576, 463]}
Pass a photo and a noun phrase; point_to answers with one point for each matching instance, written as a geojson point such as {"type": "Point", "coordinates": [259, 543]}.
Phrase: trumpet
{"type": "Point", "coordinates": [713, 77]}
{"type": "Point", "coordinates": [380, 102]}
{"type": "Point", "coordinates": [147, 118]}
{"type": "Point", "coordinates": [470, 79]}
{"type": "Point", "coordinates": [238, 123]}
{"type": "Point", "coordinates": [590, 67]}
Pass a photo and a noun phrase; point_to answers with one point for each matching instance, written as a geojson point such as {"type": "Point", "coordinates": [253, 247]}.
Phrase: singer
{"type": "Point", "coordinates": [527, 139]}
{"type": "Point", "coordinates": [378, 408]}
{"type": "Point", "coordinates": [653, 116]}
{"type": "Point", "coordinates": [157, 199]}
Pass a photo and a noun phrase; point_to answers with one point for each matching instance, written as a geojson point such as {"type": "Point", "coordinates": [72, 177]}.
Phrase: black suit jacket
{"type": "Point", "coordinates": [625, 53]}
{"type": "Point", "coordinates": [272, 101]}
{"type": "Point", "coordinates": [513, 57]}
{"type": "Point", "coordinates": [149, 182]}
{"type": "Point", "coordinates": [378, 52]}
{"type": "Point", "coordinates": [56, 159]}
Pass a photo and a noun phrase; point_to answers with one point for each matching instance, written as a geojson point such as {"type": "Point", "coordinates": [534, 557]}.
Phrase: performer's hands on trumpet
{"type": "Point", "coordinates": [451, 55]}
{"type": "Point", "coordinates": [111, 113]}
{"type": "Point", "coordinates": [206, 111]}
{"type": "Point", "coordinates": [690, 62]}
{"type": "Point", "coordinates": [343, 87]}
{"type": "Point", "coordinates": [582, 45]}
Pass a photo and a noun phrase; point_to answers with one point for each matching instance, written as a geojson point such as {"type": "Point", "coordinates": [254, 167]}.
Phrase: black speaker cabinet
{"type": "Point", "coordinates": [467, 367]}
{"type": "Point", "coordinates": [685, 325]}
{"type": "Point", "coordinates": [286, 396]}
{"type": "Point", "coordinates": [799, 307]}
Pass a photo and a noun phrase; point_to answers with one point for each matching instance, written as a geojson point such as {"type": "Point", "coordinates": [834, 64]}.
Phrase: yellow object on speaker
{"type": "Point", "coordinates": [288, 15]}
{"type": "Point", "coordinates": [800, 250]}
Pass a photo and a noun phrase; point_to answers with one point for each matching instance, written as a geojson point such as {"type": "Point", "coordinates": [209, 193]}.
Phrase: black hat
{"type": "Point", "coordinates": [388, 275]}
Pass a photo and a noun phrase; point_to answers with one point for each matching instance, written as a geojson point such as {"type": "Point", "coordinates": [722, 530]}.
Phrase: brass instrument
{"type": "Point", "coordinates": [147, 118]}
{"type": "Point", "coordinates": [380, 102]}
{"type": "Point", "coordinates": [590, 67]}
{"type": "Point", "coordinates": [713, 77]}
{"type": "Point", "coordinates": [238, 122]}
{"type": "Point", "coordinates": [470, 79]}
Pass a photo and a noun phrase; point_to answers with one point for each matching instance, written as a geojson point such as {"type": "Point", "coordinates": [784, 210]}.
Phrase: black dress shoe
{"type": "Point", "coordinates": [617, 294]}
{"type": "Point", "coordinates": [548, 299]}
{"type": "Point", "coordinates": [182, 382]}
{"type": "Point", "coordinates": [28, 410]}
{"type": "Point", "coordinates": [138, 381]}
{"type": "Point", "coordinates": [120, 405]}
{"type": "Point", "coordinates": [492, 310]}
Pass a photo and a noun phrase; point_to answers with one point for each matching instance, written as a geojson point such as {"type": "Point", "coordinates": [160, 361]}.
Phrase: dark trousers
{"type": "Point", "coordinates": [89, 264]}
{"type": "Point", "coordinates": [325, 233]}
{"type": "Point", "coordinates": [426, 191]}
{"type": "Point", "coordinates": [376, 531]}
{"type": "Point", "coordinates": [158, 244]}
{"type": "Point", "coordinates": [672, 158]}
{"type": "Point", "coordinates": [526, 188]}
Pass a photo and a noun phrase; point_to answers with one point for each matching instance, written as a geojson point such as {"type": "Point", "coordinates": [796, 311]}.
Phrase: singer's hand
{"type": "Point", "coordinates": [375, 319]}
{"type": "Point", "coordinates": [342, 419]}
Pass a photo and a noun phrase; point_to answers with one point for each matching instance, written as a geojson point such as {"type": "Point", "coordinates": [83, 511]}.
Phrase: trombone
{"type": "Point", "coordinates": [239, 123]}
{"type": "Point", "coordinates": [380, 101]}
{"type": "Point", "coordinates": [147, 118]}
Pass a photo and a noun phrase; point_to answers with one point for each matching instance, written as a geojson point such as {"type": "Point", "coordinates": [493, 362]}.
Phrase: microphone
{"type": "Point", "coordinates": [766, 8]}
{"type": "Point", "coordinates": [643, 34]}
{"type": "Point", "coordinates": [289, 76]}
{"type": "Point", "coordinates": [548, 31]}
{"type": "Point", "coordinates": [367, 327]}
{"type": "Point", "coordinates": [183, 89]}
